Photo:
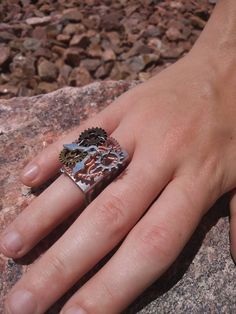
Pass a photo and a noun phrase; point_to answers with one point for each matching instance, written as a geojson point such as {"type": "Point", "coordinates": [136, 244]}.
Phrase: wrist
{"type": "Point", "coordinates": [217, 43]}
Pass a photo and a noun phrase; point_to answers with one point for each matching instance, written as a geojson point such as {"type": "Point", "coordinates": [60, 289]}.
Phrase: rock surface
{"type": "Point", "coordinates": [203, 278]}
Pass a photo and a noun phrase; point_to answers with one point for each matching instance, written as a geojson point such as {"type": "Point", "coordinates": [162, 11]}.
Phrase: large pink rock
{"type": "Point", "coordinates": [202, 280]}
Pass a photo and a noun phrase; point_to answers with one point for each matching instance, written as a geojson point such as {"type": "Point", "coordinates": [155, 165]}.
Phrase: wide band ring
{"type": "Point", "coordinates": [93, 161]}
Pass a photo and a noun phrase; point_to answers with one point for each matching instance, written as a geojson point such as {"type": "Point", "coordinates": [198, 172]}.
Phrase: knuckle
{"type": "Point", "coordinates": [58, 266]}
{"type": "Point", "coordinates": [155, 242]}
{"type": "Point", "coordinates": [111, 213]}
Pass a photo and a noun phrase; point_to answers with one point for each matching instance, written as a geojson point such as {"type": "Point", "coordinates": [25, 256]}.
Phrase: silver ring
{"type": "Point", "coordinates": [93, 161]}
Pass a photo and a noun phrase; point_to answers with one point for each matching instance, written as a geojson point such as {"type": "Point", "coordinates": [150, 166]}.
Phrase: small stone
{"type": "Point", "coordinates": [108, 55]}
{"type": "Point", "coordinates": [71, 29]}
{"type": "Point", "coordinates": [47, 70]}
{"type": "Point", "coordinates": [64, 74]}
{"type": "Point", "coordinates": [43, 52]}
{"type": "Point", "coordinates": [32, 44]}
{"type": "Point", "coordinates": [39, 33]}
{"type": "Point", "coordinates": [144, 76]}
{"type": "Point", "coordinates": [173, 34]}
{"type": "Point", "coordinates": [4, 54]}
{"type": "Point", "coordinates": [104, 70]}
{"type": "Point", "coordinates": [22, 67]}
{"type": "Point", "coordinates": [8, 89]}
{"type": "Point", "coordinates": [72, 15]}
{"type": "Point", "coordinates": [111, 21]}
{"type": "Point", "coordinates": [38, 20]}
{"type": "Point", "coordinates": [58, 50]}
{"type": "Point", "coordinates": [92, 22]}
{"type": "Point", "coordinates": [90, 64]}
{"type": "Point", "coordinates": [80, 41]}
{"type": "Point", "coordinates": [95, 51]}
{"type": "Point", "coordinates": [79, 77]}
{"type": "Point", "coordinates": [137, 64]}
{"type": "Point", "coordinates": [6, 36]}
{"type": "Point", "coordinates": [153, 31]}
{"type": "Point", "coordinates": [64, 38]}
{"type": "Point", "coordinates": [197, 22]}
{"type": "Point", "coordinates": [155, 43]}
{"type": "Point", "coordinates": [45, 87]}
{"type": "Point", "coordinates": [53, 30]}
{"type": "Point", "coordinates": [72, 56]}
{"type": "Point", "coordinates": [171, 52]}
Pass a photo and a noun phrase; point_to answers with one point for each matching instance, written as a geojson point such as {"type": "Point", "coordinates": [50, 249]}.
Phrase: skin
{"type": "Point", "coordinates": [186, 118]}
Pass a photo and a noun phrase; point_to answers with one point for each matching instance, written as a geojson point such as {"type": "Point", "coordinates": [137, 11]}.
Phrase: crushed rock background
{"type": "Point", "coordinates": [46, 44]}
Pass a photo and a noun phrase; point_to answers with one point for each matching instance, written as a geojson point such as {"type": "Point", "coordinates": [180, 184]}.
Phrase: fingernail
{"type": "Point", "coordinates": [30, 172]}
{"type": "Point", "coordinates": [11, 241]}
{"type": "Point", "coordinates": [21, 302]}
{"type": "Point", "coordinates": [75, 310]}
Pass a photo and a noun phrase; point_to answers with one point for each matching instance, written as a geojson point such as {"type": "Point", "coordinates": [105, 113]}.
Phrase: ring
{"type": "Point", "coordinates": [93, 161]}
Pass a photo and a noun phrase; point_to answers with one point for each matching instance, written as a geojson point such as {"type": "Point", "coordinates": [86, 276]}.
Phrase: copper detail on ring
{"type": "Point", "coordinates": [93, 161]}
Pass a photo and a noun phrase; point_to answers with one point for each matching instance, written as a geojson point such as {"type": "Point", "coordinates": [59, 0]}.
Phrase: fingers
{"type": "Point", "coordinates": [46, 164]}
{"type": "Point", "coordinates": [47, 211]}
{"type": "Point", "coordinates": [233, 225]}
{"type": "Point", "coordinates": [44, 213]}
{"type": "Point", "coordinates": [149, 249]}
{"type": "Point", "coordinates": [98, 229]}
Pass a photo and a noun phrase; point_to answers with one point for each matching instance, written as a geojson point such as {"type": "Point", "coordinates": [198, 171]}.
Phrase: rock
{"type": "Point", "coordinates": [90, 64]}
{"type": "Point", "coordinates": [38, 20]}
{"type": "Point", "coordinates": [8, 89]}
{"type": "Point", "coordinates": [4, 54]}
{"type": "Point", "coordinates": [173, 34]}
{"type": "Point", "coordinates": [155, 44]}
{"type": "Point", "coordinates": [111, 21]}
{"type": "Point", "coordinates": [39, 32]}
{"type": "Point", "coordinates": [137, 64]}
{"type": "Point", "coordinates": [47, 70]}
{"type": "Point", "coordinates": [201, 280]}
{"type": "Point", "coordinates": [104, 70]}
{"type": "Point", "coordinates": [197, 22]}
{"type": "Point", "coordinates": [53, 30]}
{"type": "Point", "coordinates": [71, 29]}
{"type": "Point", "coordinates": [144, 76]}
{"type": "Point", "coordinates": [95, 51]}
{"type": "Point", "coordinates": [139, 48]}
{"type": "Point", "coordinates": [92, 22]}
{"type": "Point", "coordinates": [112, 31]}
{"type": "Point", "coordinates": [171, 52]}
{"type": "Point", "coordinates": [63, 38]}
{"type": "Point", "coordinates": [79, 76]}
{"type": "Point", "coordinates": [45, 87]}
{"type": "Point", "coordinates": [72, 56]}
{"type": "Point", "coordinates": [23, 67]}
{"type": "Point", "coordinates": [32, 44]}
{"type": "Point", "coordinates": [108, 55]}
{"type": "Point", "coordinates": [6, 37]}
{"type": "Point", "coordinates": [72, 15]}
{"type": "Point", "coordinates": [153, 31]}
{"type": "Point", "coordinates": [60, 51]}
{"type": "Point", "coordinates": [81, 41]}
{"type": "Point", "coordinates": [43, 52]}
{"type": "Point", "coordinates": [64, 72]}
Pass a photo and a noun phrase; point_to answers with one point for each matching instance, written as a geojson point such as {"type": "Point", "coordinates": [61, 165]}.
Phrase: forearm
{"type": "Point", "coordinates": [218, 39]}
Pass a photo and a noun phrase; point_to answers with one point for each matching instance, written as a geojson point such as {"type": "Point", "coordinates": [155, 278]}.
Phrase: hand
{"type": "Point", "coordinates": [179, 129]}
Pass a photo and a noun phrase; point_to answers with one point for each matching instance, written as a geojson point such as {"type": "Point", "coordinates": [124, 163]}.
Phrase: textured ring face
{"type": "Point", "coordinates": [93, 161]}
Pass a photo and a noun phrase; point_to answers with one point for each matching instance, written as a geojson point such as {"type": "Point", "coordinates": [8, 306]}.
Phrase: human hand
{"type": "Point", "coordinates": [179, 130]}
